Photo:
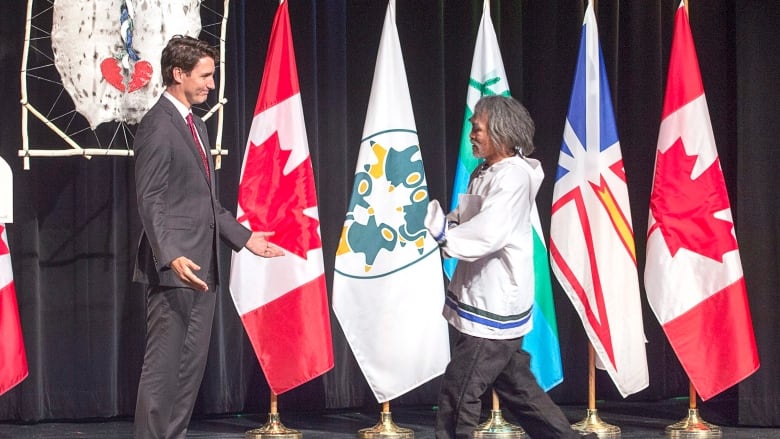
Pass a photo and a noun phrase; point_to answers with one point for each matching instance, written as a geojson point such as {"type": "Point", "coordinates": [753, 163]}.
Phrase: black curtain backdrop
{"type": "Point", "coordinates": [76, 224]}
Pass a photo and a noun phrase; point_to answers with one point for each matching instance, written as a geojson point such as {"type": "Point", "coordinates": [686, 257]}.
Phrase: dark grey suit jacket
{"type": "Point", "coordinates": [179, 211]}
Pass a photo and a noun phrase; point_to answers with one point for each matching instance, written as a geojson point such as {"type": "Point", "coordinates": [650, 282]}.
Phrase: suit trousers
{"type": "Point", "coordinates": [479, 363]}
{"type": "Point", "coordinates": [177, 343]}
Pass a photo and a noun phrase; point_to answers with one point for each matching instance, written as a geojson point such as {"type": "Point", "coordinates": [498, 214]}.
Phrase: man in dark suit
{"type": "Point", "coordinates": [178, 257]}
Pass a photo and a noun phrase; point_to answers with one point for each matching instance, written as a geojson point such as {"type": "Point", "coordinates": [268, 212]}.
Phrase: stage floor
{"type": "Point", "coordinates": [636, 420]}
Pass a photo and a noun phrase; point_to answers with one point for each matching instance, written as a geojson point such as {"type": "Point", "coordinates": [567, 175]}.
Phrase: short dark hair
{"type": "Point", "coordinates": [184, 52]}
{"type": "Point", "coordinates": [509, 124]}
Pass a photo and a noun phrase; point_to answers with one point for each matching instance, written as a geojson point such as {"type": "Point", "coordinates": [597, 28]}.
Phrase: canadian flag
{"type": "Point", "coordinates": [13, 360]}
{"type": "Point", "coordinates": [282, 301]}
{"type": "Point", "coordinates": [693, 273]}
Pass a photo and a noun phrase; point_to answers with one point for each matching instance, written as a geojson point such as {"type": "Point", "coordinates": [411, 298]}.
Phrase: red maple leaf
{"type": "Point", "coordinates": [3, 247]}
{"type": "Point", "coordinates": [275, 202]}
{"type": "Point", "coordinates": [684, 208]}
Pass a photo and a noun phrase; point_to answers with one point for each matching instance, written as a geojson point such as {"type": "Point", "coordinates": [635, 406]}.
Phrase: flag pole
{"type": "Point", "coordinates": [496, 427]}
{"type": "Point", "coordinates": [693, 426]}
{"type": "Point", "coordinates": [385, 428]}
{"type": "Point", "coordinates": [274, 427]}
{"type": "Point", "coordinates": [592, 423]}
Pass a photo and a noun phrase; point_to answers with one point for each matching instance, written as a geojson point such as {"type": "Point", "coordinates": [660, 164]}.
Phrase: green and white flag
{"type": "Point", "coordinates": [489, 78]}
{"type": "Point", "coordinates": [388, 291]}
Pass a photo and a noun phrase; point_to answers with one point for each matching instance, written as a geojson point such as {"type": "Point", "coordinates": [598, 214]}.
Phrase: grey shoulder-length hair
{"type": "Point", "coordinates": [508, 123]}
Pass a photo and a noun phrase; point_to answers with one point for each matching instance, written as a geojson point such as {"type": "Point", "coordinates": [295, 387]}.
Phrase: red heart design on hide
{"type": "Point", "coordinates": [113, 73]}
{"type": "Point", "coordinates": [142, 73]}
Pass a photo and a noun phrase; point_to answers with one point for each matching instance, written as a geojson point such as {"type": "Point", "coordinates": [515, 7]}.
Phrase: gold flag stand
{"type": "Point", "coordinates": [274, 427]}
{"type": "Point", "coordinates": [496, 427]}
{"type": "Point", "coordinates": [693, 426]}
{"type": "Point", "coordinates": [592, 422]}
{"type": "Point", "coordinates": [385, 428]}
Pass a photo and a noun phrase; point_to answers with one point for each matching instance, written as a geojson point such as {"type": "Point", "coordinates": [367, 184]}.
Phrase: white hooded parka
{"type": "Point", "coordinates": [492, 291]}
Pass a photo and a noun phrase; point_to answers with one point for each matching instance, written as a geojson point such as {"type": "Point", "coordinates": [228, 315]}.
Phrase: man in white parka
{"type": "Point", "coordinates": [490, 298]}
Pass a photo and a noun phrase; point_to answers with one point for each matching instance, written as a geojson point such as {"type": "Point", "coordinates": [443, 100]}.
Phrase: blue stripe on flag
{"type": "Point", "coordinates": [547, 369]}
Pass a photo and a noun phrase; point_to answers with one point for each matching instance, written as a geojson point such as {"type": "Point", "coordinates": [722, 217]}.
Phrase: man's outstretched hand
{"type": "Point", "coordinates": [259, 245]}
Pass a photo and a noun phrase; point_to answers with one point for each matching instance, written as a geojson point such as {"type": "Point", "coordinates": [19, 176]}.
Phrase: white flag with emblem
{"type": "Point", "coordinates": [388, 289]}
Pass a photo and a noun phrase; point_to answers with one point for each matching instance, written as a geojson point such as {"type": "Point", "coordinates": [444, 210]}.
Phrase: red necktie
{"type": "Point", "coordinates": [194, 132]}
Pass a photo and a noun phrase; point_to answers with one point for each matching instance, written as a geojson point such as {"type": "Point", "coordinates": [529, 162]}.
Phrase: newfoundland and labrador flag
{"type": "Point", "coordinates": [693, 273]}
{"type": "Point", "coordinates": [282, 301]}
{"type": "Point", "coordinates": [489, 78]}
{"type": "Point", "coordinates": [388, 288]}
{"type": "Point", "coordinates": [591, 236]}
{"type": "Point", "coordinates": [13, 360]}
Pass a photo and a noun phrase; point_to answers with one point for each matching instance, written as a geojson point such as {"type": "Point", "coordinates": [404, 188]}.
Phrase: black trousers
{"type": "Point", "coordinates": [479, 363]}
{"type": "Point", "coordinates": [178, 325]}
